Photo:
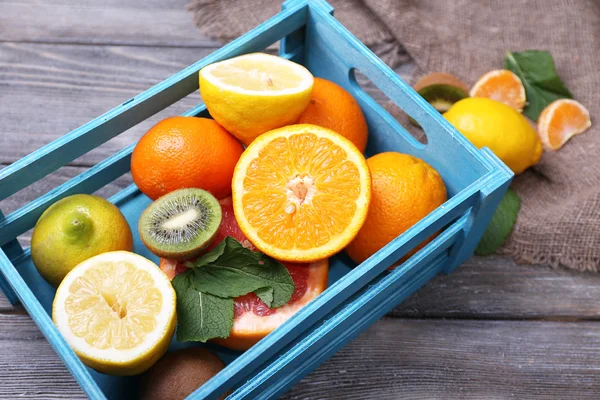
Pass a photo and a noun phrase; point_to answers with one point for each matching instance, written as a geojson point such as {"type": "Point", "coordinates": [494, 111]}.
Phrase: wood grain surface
{"type": "Point", "coordinates": [493, 329]}
{"type": "Point", "coordinates": [131, 22]}
{"type": "Point", "coordinates": [51, 89]}
{"type": "Point", "coordinates": [394, 359]}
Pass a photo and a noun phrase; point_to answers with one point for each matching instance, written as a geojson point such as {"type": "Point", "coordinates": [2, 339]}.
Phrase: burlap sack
{"type": "Point", "coordinates": [559, 222]}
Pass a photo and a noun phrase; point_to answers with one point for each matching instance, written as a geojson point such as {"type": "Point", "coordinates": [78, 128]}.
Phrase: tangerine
{"type": "Point", "coordinates": [332, 107]}
{"type": "Point", "coordinates": [404, 190]}
{"type": "Point", "coordinates": [185, 152]}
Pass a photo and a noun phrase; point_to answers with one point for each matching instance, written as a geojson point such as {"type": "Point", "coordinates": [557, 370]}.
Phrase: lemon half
{"type": "Point", "coordinates": [117, 312]}
{"type": "Point", "coordinates": [254, 93]}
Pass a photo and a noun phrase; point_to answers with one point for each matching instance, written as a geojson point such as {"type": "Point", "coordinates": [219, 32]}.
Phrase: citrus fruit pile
{"type": "Point", "coordinates": [500, 111]}
{"type": "Point", "coordinates": [247, 209]}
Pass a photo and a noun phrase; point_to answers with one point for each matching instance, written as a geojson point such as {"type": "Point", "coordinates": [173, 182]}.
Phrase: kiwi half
{"type": "Point", "coordinates": [181, 224]}
{"type": "Point", "coordinates": [441, 90]}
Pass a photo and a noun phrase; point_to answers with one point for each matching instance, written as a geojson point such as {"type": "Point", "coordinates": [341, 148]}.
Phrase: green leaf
{"type": "Point", "coordinates": [231, 270]}
{"type": "Point", "coordinates": [201, 316]}
{"type": "Point", "coordinates": [501, 225]}
{"type": "Point", "coordinates": [266, 295]}
{"type": "Point", "coordinates": [536, 70]}
{"type": "Point", "coordinates": [205, 292]}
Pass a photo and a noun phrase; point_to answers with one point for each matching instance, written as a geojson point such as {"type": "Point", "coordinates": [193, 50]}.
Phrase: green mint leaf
{"type": "Point", "coordinates": [231, 270]}
{"type": "Point", "coordinates": [542, 85]}
{"type": "Point", "coordinates": [211, 256]}
{"type": "Point", "coordinates": [201, 316]}
{"type": "Point", "coordinates": [501, 225]}
{"type": "Point", "coordinates": [266, 295]}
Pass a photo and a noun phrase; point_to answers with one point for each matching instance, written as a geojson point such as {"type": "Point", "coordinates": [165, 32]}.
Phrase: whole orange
{"type": "Point", "coordinates": [185, 152]}
{"type": "Point", "coordinates": [404, 190]}
{"type": "Point", "coordinates": [334, 108]}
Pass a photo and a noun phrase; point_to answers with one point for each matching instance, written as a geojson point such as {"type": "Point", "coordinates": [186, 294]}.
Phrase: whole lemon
{"type": "Point", "coordinates": [504, 130]}
{"type": "Point", "coordinates": [74, 229]}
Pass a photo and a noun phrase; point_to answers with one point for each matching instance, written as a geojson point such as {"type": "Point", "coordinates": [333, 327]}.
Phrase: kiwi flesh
{"type": "Point", "coordinates": [179, 373]}
{"type": "Point", "coordinates": [441, 90]}
{"type": "Point", "coordinates": [180, 224]}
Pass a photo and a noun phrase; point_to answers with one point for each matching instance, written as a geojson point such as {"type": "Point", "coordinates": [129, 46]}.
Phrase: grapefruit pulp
{"type": "Point", "coordinates": [252, 319]}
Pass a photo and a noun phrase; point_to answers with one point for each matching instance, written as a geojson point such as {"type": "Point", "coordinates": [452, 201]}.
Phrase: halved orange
{"type": "Point", "coordinates": [253, 320]}
{"type": "Point", "coordinates": [501, 85]}
{"type": "Point", "coordinates": [562, 120]}
{"type": "Point", "coordinates": [301, 192]}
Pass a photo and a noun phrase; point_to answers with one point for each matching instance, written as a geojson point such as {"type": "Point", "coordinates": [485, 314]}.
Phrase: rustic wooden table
{"type": "Point", "coordinates": [493, 329]}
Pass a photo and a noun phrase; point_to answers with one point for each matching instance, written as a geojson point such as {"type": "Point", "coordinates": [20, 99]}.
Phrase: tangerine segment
{"type": "Point", "coordinates": [560, 121]}
{"type": "Point", "coordinates": [301, 192]}
{"type": "Point", "coordinates": [501, 85]}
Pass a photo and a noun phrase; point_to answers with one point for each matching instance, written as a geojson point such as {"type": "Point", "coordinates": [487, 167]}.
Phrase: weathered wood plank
{"type": "Point", "coordinates": [48, 90]}
{"type": "Point", "coordinates": [52, 181]}
{"type": "Point", "coordinates": [497, 288]}
{"type": "Point", "coordinates": [30, 367]}
{"type": "Point", "coordinates": [395, 359]}
{"type": "Point", "coordinates": [132, 22]}
{"type": "Point", "coordinates": [438, 359]}
{"type": "Point", "coordinates": [493, 288]}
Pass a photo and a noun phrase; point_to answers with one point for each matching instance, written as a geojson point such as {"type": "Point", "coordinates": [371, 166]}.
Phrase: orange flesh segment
{"type": "Point", "coordinates": [503, 86]}
{"type": "Point", "coordinates": [561, 120]}
{"type": "Point", "coordinates": [300, 191]}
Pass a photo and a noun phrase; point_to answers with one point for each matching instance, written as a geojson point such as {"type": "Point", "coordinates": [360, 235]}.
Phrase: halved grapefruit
{"type": "Point", "coordinates": [252, 319]}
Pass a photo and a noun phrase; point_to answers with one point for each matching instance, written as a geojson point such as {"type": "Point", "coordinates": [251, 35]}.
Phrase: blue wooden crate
{"type": "Point", "coordinates": [357, 296]}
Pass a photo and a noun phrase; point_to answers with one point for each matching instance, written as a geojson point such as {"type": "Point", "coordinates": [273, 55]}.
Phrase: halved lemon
{"type": "Point", "coordinates": [301, 192]}
{"type": "Point", "coordinates": [117, 312]}
{"type": "Point", "coordinates": [254, 93]}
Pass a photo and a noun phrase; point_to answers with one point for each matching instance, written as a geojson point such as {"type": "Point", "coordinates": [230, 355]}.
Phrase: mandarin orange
{"type": "Point", "coordinates": [404, 190]}
{"type": "Point", "coordinates": [185, 152]}
{"type": "Point", "coordinates": [332, 107]}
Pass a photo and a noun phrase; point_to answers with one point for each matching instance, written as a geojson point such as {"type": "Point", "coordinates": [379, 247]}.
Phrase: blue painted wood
{"type": "Point", "coordinates": [12, 250]}
{"type": "Point", "coordinates": [89, 181]}
{"type": "Point", "coordinates": [481, 214]}
{"type": "Point", "coordinates": [334, 53]}
{"type": "Point", "coordinates": [355, 316]}
{"type": "Point", "coordinates": [43, 321]}
{"type": "Point", "coordinates": [357, 295]}
{"type": "Point", "coordinates": [347, 284]}
{"type": "Point", "coordinates": [58, 153]}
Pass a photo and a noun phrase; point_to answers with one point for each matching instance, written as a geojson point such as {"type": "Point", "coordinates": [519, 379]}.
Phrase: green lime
{"type": "Point", "coordinates": [74, 229]}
